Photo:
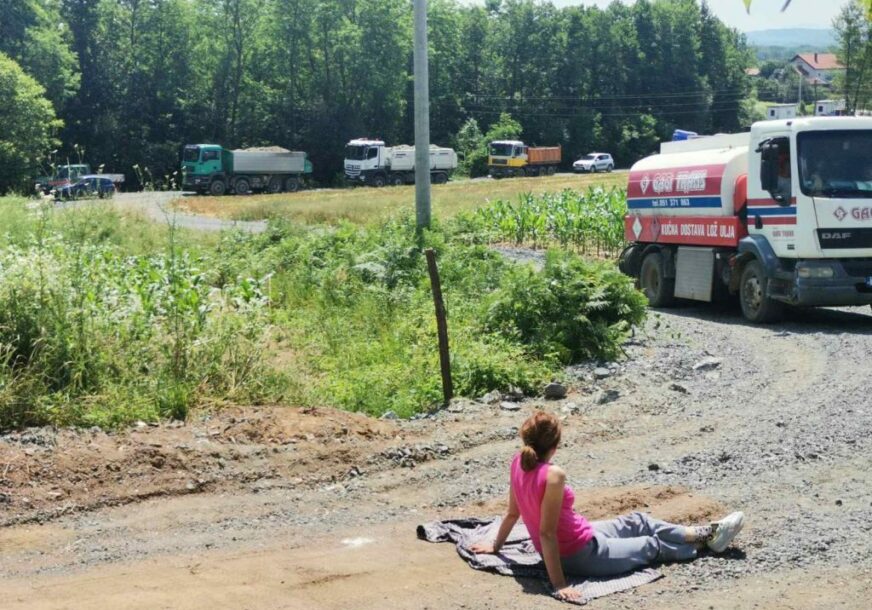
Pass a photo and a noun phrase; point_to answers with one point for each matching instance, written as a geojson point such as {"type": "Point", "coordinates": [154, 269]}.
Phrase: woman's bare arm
{"type": "Point", "coordinates": [551, 503]}
{"type": "Point", "coordinates": [509, 520]}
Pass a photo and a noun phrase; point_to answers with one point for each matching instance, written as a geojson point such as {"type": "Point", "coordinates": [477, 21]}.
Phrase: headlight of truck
{"type": "Point", "coordinates": [807, 272]}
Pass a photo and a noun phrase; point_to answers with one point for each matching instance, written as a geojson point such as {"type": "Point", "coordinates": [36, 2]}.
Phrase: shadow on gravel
{"type": "Point", "coordinates": [731, 554]}
{"type": "Point", "coordinates": [800, 321]}
{"type": "Point", "coordinates": [533, 586]}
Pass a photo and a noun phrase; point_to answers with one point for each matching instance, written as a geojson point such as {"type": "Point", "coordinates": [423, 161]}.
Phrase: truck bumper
{"type": "Point", "coordinates": [851, 284]}
{"type": "Point", "coordinates": [196, 183]}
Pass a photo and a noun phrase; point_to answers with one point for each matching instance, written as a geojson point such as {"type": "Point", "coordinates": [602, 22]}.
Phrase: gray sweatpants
{"type": "Point", "coordinates": [627, 543]}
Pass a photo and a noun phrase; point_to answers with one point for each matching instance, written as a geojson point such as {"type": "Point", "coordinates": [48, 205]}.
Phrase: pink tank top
{"type": "Point", "coordinates": [573, 530]}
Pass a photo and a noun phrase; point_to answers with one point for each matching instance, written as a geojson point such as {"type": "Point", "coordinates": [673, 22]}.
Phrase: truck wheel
{"type": "Point", "coordinates": [659, 289]}
{"type": "Point", "coordinates": [241, 186]}
{"type": "Point", "coordinates": [440, 178]}
{"type": "Point", "coordinates": [756, 306]}
{"type": "Point", "coordinates": [398, 180]}
{"type": "Point", "coordinates": [217, 188]}
{"type": "Point", "coordinates": [292, 184]}
{"type": "Point", "coordinates": [275, 185]}
{"type": "Point", "coordinates": [552, 170]}
{"type": "Point", "coordinates": [378, 181]}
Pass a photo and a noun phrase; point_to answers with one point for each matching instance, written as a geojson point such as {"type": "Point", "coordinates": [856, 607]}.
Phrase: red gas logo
{"type": "Point", "coordinates": [861, 213]}
{"type": "Point", "coordinates": [857, 213]}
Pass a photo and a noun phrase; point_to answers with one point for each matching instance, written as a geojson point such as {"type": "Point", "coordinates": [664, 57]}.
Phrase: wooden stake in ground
{"type": "Point", "coordinates": [441, 325]}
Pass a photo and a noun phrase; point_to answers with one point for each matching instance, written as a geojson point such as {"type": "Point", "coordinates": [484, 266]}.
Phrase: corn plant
{"type": "Point", "coordinates": [590, 222]}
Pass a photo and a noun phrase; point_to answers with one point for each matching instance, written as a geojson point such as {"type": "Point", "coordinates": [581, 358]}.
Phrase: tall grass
{"type": "Point", "coordinates": [105, 320]}
{"type": "Point", "coordinates": [90, 334]}
{"type": "Point", "coordinates": [355, 303]}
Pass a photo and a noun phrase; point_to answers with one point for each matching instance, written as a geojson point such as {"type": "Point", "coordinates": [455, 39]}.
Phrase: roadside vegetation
{"type": "Point", "coordinates": [362, 205]}
{"type": "Point", "coordinates": [106, 319]}
{"type": "Point", "coordinates": [590, 222]}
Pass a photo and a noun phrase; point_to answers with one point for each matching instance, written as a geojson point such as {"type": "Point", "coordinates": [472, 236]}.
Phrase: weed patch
{"type": "Point", "coordinates": [102, 324]}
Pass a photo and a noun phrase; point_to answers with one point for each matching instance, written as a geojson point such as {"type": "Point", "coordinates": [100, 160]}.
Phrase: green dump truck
{"type": "Point", "coordinates": [209, 168]}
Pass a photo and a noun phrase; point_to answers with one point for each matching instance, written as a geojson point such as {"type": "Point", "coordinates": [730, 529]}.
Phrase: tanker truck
{"type": "Point", "coordinates": [509, 158]}
{"type": "Point", "coordinates": [209, 168]}
{"type": "Point", "coordinates": [371, 162]}
{"type": "Point", "coordinates": [779, 216]}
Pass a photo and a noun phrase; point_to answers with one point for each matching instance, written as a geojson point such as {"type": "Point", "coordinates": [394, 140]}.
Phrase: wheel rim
{"type": "Point", "coordinates": [752, 295]}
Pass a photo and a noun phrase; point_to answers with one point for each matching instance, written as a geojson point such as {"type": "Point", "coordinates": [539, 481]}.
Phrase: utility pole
{"type": "Point", "coordinates": [800, 93]}
{"type": "Point", "coordinates": [422, 118]}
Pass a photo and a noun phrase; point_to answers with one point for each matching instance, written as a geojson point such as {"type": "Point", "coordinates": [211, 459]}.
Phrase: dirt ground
{"type": "Point", "coordinates": [288, 508]}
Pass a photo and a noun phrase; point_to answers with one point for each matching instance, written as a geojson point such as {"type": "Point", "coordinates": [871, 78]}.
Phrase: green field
{"type": "Point", "coordinates": [364, 204]}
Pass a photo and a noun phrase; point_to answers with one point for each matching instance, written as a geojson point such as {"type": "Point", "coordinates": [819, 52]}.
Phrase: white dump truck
{"type": "Point", "coordinates": [781, 215]}
{"type": "Point", "coordinates": [371, 162]}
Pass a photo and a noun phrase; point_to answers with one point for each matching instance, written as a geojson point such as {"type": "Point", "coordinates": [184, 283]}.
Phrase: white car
{"type": "Point", "coordinates": [594, 162]}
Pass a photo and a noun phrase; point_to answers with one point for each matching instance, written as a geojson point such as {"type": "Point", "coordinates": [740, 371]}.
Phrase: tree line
{"type": "Point", "coordinates": [134, 80]}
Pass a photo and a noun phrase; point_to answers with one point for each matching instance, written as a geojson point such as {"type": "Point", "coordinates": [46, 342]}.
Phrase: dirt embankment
{"type": "Point", "coordinates": [47, 473]}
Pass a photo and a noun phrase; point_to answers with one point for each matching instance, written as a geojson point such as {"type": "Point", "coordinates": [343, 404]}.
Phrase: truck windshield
{"type": "Point", "coordinates": [501, 150]}
{"type": "Point", "coordinates": [836, 164]}
{"type": "Point", "coordinates": [192, 154]}
{"type": "Point", "coordinates": [355, 153]}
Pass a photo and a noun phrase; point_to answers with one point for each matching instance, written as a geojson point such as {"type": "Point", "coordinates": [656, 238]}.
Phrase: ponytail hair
{"type": "Point", "coordinates": [540, 434]}
{"type": "Point", "coordinates": [529, 459]}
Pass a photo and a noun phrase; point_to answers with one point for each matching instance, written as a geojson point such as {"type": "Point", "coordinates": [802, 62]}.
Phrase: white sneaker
{"type": "Point", "coordinates": [727, 529]}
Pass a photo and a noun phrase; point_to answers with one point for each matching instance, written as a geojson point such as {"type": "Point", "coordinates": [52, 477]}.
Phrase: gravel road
{"type": "Point", "coordinates": [705, 414]}
{"type": "Point", "coordinates": [156, 206]}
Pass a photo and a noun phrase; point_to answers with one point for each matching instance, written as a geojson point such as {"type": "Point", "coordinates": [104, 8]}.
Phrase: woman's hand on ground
{"type": "Point", "coordinates": [483, 548]}
{"type": "Point", "coordinates": [568, 594]}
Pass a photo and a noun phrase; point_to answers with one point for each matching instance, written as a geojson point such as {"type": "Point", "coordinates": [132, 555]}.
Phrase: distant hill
{"type": "Point", "coordinates": [820, 39]}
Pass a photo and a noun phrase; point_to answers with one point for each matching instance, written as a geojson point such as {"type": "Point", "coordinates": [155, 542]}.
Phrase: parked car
{"type": "Point", "coordinates": [87, 187]}
{"type": "Point", "coordinates": [595, 162]}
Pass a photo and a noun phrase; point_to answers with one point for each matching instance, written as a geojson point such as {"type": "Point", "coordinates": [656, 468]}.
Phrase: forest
{"type": "Point", "coordinates": [126, 83]}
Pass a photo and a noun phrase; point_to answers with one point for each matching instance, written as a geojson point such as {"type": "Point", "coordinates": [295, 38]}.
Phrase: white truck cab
{"type": "Point", "coordinates": [371, 162]}
{"type": "Point", "coordinates": [363, 157]}
{"type": "Point", "coordinates": [781, 215]}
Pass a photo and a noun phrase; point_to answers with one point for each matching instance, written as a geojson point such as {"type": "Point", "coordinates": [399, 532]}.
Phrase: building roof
{"type": "Point", "coordinates": [820, 61]}
{"type": "Point", "coordinates": [752, 71]}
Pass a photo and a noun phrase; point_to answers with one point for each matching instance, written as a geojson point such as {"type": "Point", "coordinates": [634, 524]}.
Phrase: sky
{"type": "Point", "coordinates": [765, 14]}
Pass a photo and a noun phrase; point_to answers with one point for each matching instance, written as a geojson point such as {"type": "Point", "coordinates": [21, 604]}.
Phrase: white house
{"type": "Point", "coordinates": [777, 112]}
{"type": "Point", "coordinates": [817, 68]}
{"type": "Point", "coordinates": [829, 108]}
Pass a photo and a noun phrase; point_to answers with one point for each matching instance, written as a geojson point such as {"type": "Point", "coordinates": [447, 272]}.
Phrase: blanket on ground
{"type": "Point", "coordinates": [519, 558]}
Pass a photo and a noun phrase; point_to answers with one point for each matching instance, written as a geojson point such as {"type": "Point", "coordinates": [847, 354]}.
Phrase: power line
{"type": "Point", "coordinates": [639, 106]}
{"type": "Point", "coordinates": [602, 115]}
{"type": "Point", "coordinates": [652, 95]}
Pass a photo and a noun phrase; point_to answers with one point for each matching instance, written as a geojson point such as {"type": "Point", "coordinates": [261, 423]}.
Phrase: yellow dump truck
{"type": "Point", "coordinates": [509, 158]}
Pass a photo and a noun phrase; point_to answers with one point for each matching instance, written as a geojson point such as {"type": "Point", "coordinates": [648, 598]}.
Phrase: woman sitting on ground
{"type": "Point", "coordinates": [568, 543]}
